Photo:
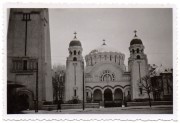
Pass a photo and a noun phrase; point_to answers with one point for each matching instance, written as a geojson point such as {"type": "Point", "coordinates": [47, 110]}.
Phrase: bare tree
{"type": "Point", "coordinates": [55, 88]}
{"type": "Point", "coordinates": [58, 80]}
{"type": "Point", "coordinates": [58, 68]}
{"type": "Point", "coordinates": [157, 87]}
{"type": "Point", "coordinates": [146, 86]}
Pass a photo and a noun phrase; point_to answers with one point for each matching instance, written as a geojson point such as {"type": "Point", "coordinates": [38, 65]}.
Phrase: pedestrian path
{"type": "Point", "coordinates": [121, 110]}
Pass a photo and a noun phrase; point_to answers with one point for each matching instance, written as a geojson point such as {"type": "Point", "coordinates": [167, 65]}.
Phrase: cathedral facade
{"type": "Point", "coordinates": [105, 75]}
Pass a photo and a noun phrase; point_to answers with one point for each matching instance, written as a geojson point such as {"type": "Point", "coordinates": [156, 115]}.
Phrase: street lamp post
{"type": "Point", "coordinates": [83, 85]}
{"type": "Point", "coordinates": [61, 81]}
{"type": "Point", "coordinates": [36, 101]}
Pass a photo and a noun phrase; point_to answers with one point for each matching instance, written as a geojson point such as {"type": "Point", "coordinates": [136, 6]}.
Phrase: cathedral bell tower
{"type": "Point", "coordinates": [74, 71]}
{"type": "Point", "coordinates": [138, 66]}
{"type": "Point", "coordinates": [29, 57]}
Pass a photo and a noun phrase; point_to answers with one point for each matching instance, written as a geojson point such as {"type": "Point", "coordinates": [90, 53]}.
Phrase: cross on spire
{"type": "Point", "coordinates": [75, 35]}
{"type": "Point", "coordinates": [135, 31]}
{"type": "Point", "coordinates": [104, 43]}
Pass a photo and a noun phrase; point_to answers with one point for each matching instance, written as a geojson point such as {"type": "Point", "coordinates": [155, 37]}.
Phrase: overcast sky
{"type": "Point", "coordinates": [116, 26]}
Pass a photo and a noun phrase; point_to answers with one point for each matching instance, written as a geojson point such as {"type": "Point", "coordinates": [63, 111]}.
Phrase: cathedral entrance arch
{"type": "Point", "coordinates": [118, 94]}
{"type": "Point", "coordinates": [108, 98]}
{"type": "Point", "coordinates": [108, 95]}
{"type": "Point", "coordinates": [97, 95]}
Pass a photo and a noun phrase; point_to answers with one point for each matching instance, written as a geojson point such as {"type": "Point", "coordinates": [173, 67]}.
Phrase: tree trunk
{"type": "Point", "coordinates": [149, 99]}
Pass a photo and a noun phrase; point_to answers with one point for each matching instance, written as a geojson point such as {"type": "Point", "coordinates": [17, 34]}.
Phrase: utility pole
{"type": "Point", "coordinates": [83, 86]}
{"type": "Point", "coordinates": [36, 104]}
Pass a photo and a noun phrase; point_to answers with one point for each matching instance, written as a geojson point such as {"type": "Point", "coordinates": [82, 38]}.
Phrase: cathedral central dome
{"type": "Point", "coordinates": [103, 48]}
{"type": "Point", "coordinates": [105, 53]}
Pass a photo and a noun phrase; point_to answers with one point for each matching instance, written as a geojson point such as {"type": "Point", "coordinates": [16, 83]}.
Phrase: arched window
{"type": "Point", "coordinates": [137, 50]}
{"type": "Point", "coordinates": [107, 76]}
{"type": "Point", "coordinates": [74, 59]}
{"type": "Point", "coordinates": [25, 65]}
{"type": "Point", "coordinates": [133, 51]}
{"type": "Point", "coordinates": [79, 52]}
{"type": "Point", "coordinates": [140, 89]}
{"type": "Point", "coordinates": [74, 92]}
{"type": "Point", "coordinates": [74, 52]}
{"type": "Point", "coordinates": [110, 57]}
{"type": "Point", "coordinates": [138, 57]}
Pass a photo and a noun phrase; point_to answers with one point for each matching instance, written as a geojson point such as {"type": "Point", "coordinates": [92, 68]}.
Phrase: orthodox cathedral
{"type": "Point", "coordinates": [105, 76]}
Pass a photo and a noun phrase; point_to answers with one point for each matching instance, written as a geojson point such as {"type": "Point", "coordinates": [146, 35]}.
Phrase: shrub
{"type": "Point", "coordinates": [74, 101]}
{"type": "Point", "coordinates": [47, 103]}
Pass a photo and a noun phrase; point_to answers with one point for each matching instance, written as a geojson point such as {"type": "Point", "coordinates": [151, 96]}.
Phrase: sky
{"type": "Point", "coordinates": [116, 26]}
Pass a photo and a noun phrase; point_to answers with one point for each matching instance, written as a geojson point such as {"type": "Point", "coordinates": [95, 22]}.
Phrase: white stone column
{"type": "Point", "coordinates": [92, 98]}
{"type": "Point", "coordinates": [103, 97]}
{"type": "Point", "coordinates": [123, 99]}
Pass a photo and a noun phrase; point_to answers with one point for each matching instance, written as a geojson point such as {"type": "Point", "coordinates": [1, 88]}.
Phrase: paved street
{"type": "Point", "coordinates": [163, 109]}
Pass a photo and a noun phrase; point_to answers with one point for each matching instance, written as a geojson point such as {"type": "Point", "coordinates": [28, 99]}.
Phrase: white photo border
{"type": "Point", "coordinates": [86, 117]}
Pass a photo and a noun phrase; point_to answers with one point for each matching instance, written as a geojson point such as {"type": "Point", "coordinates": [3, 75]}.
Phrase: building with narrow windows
{"type": "Point", "coordinates": [162, 82]}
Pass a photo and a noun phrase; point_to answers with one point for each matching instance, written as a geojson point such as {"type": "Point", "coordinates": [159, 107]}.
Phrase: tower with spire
{"type": "Point", "coordinates": [74, 71]}
{"type": "Point", "coordinates": [138, 67]}
{"type": "Point", "coordinates": [29, 58]}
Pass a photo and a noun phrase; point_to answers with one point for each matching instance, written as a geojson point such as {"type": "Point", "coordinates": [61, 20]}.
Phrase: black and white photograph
{"type": "Point", "coordinates": [90, 61]}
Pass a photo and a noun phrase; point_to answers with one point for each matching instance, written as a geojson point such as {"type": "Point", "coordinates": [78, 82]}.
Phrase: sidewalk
{"type": "Point", "coordinates": [112, 110]}
{"type": "Point", "coordinates": [147, 107]}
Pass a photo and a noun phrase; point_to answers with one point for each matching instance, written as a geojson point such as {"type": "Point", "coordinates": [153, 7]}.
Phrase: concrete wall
{"type": "Point", "coordinates": [38, 47]}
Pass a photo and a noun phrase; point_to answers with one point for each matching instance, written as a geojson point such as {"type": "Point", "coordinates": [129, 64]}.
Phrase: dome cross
{"type": "Point", "coordinates": [104, 43]}
{"type": "Point", "coordinates": [75, 35]}
{"type": "Point", "coordinates": [135, 31]}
